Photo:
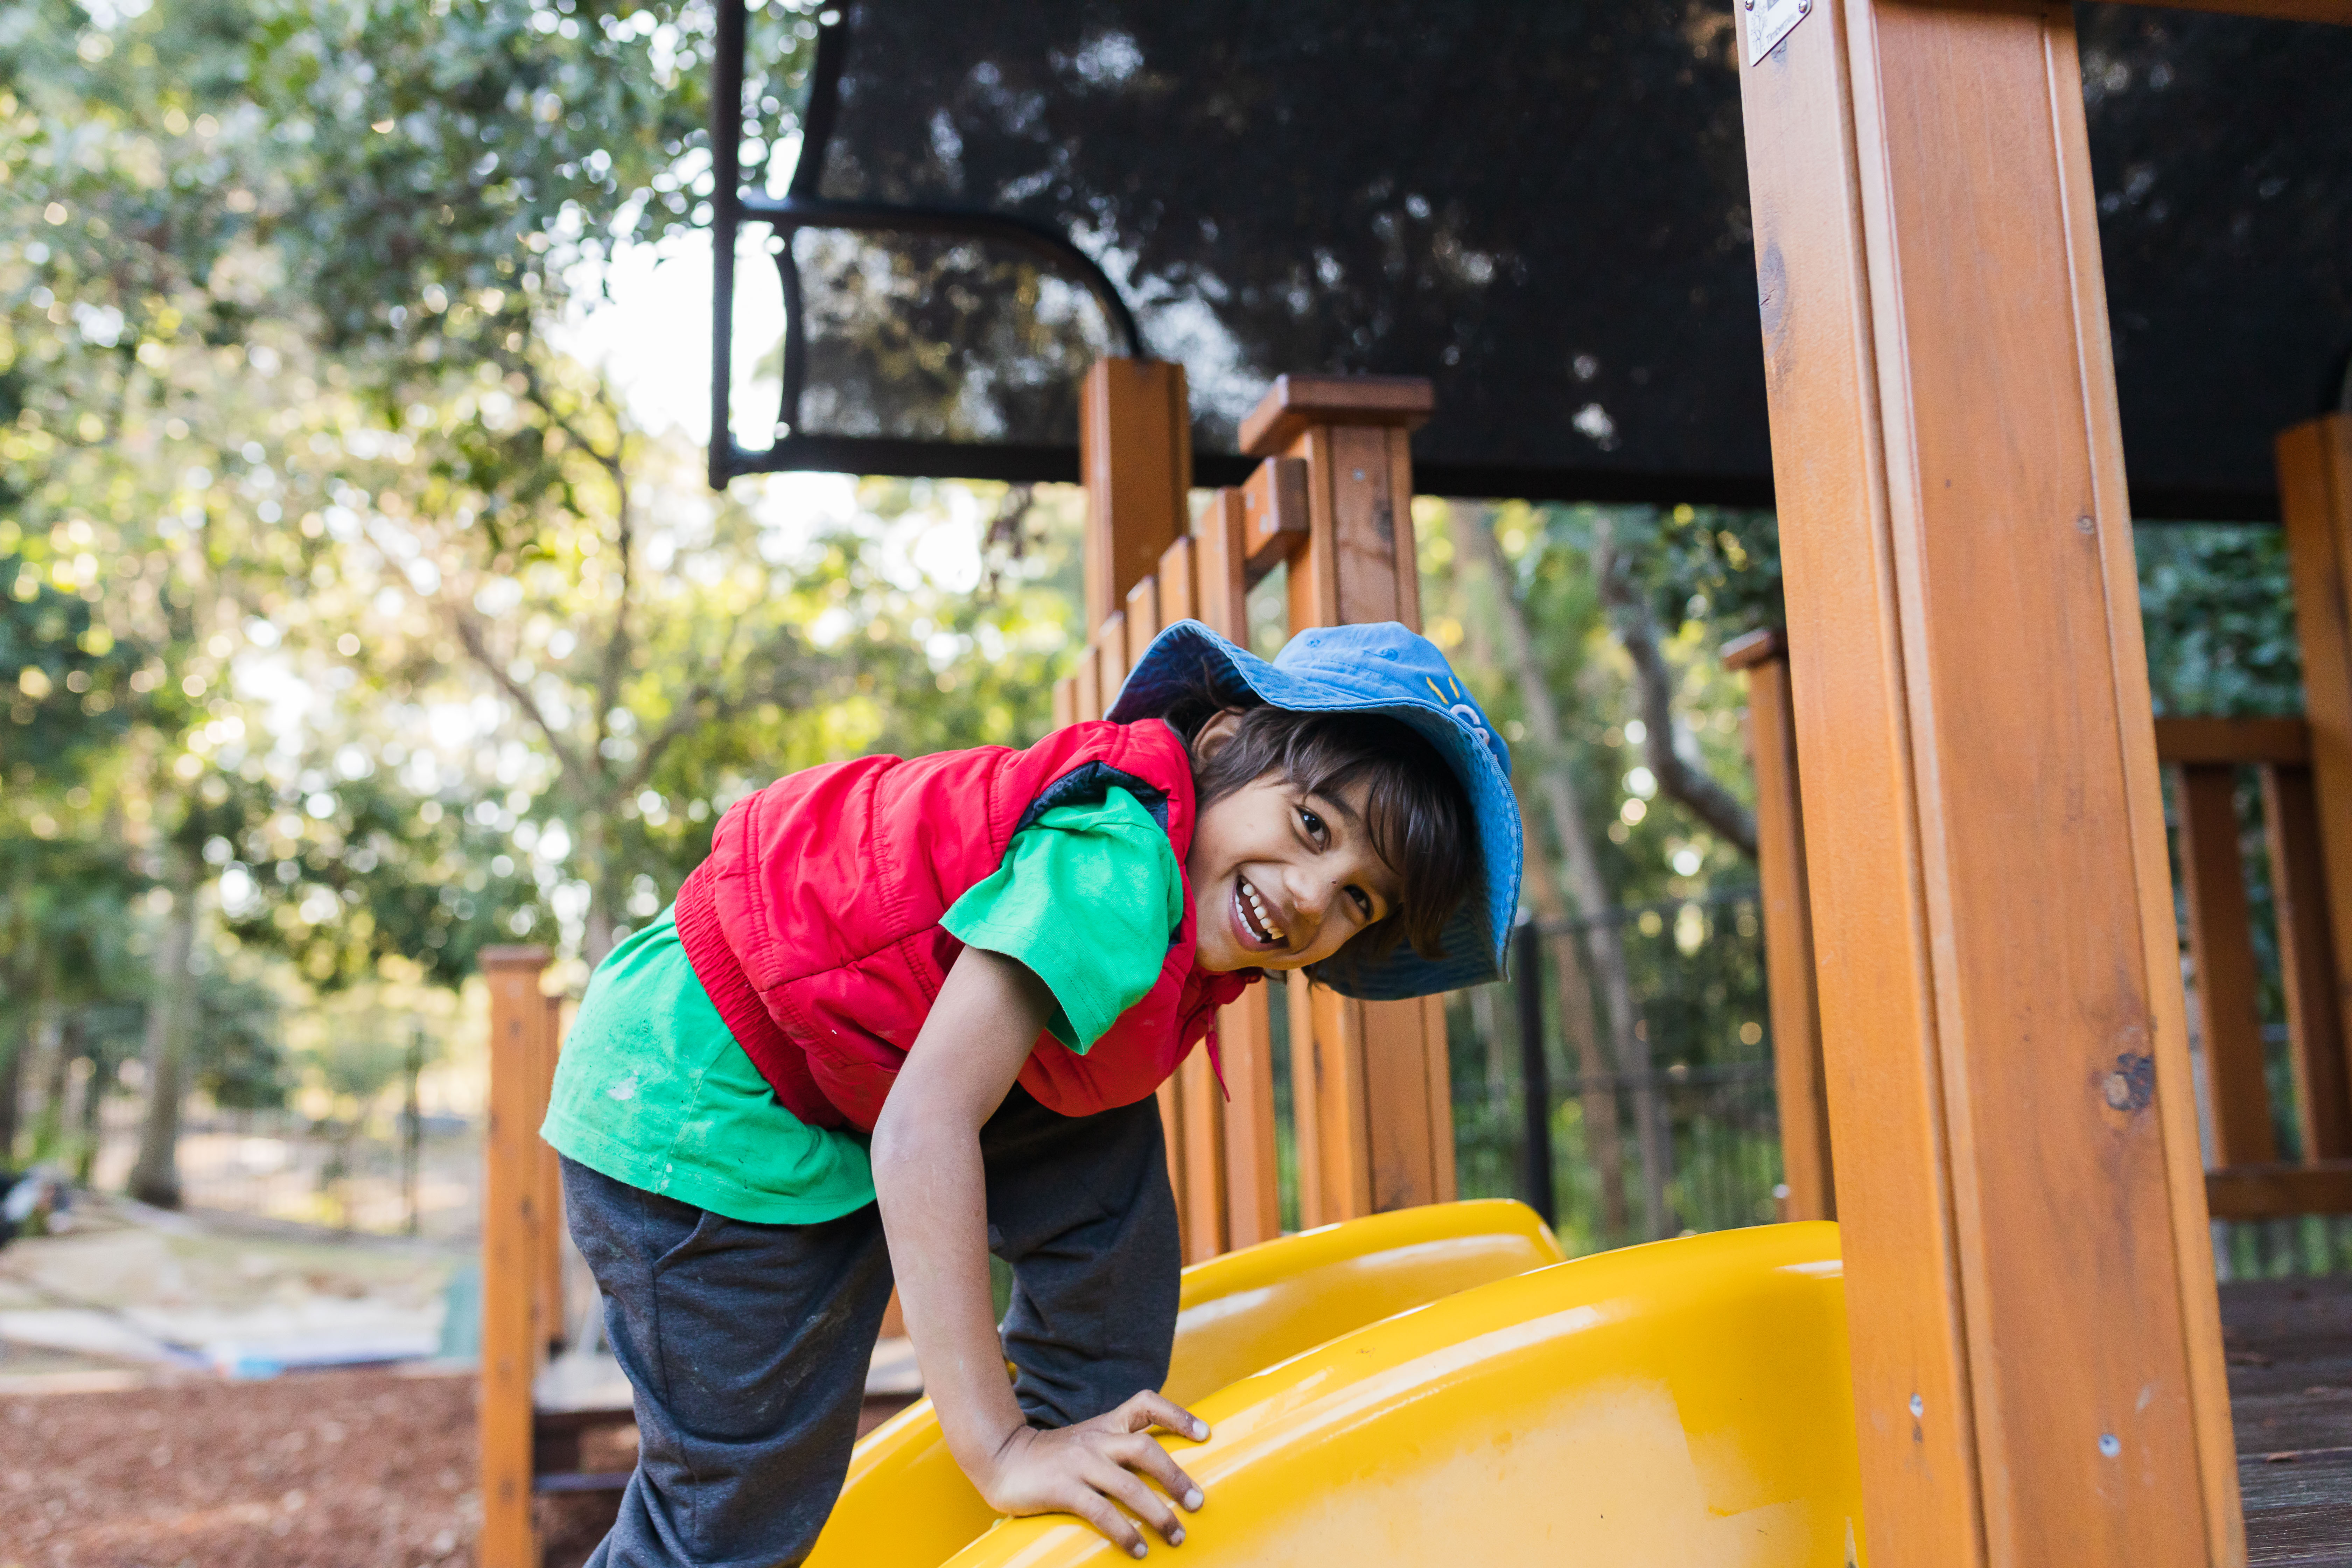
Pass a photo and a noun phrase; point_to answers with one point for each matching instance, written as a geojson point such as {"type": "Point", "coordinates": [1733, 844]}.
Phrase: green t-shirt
{"type": "Point", "coordinates": [652, 1089]}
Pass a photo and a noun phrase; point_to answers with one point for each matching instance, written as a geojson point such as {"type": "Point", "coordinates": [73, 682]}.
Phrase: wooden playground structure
{"type": "Point", "coordinates": [1971, 940]}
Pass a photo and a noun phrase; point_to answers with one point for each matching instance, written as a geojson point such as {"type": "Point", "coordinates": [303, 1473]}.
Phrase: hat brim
{"type": "Point", "coordinates": [1476, 940]}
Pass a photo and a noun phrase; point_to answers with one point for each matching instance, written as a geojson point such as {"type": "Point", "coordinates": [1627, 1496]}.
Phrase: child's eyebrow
{"type": "Point", "coordinates": [1337, 804]}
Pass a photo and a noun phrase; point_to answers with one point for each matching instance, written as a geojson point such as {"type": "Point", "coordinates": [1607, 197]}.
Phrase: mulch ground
{"type": "Point", "coordinates": [354, 1469]}
{"type": "Point", "coordinates": [342, 1470]}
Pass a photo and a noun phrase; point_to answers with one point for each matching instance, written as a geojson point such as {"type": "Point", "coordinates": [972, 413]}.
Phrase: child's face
{"type": "Point", "coordinates": [1282, 878]}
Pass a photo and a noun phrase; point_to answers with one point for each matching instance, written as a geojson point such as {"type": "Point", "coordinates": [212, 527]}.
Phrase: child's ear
{"type": "Point", "coordinates": [1216, 734]}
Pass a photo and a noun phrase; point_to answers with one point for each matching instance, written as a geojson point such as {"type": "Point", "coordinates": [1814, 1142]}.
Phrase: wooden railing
{"type": "Point", "coordinates": [1332, 501]}
{"type": "Point", "coordinates": [1808, 1183]}
{"type": "Point", "coordinates": [2248, 1180]}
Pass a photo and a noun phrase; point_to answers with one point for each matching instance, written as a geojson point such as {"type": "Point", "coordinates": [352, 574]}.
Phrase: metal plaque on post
{"type": "Point", "coordinates": [1767, 22]}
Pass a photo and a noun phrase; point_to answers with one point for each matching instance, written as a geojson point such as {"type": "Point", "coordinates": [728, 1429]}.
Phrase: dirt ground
{"type": "Point", "coordinates": [342, 1470]}
{"type": "Point", "coordinates": [350, 1469]}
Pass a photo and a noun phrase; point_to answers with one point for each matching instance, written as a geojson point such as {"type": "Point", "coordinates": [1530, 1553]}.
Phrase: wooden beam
{"type": "Point", "coordinates": [2314, 1015]}
{"type": "Point", "coordinates": [553, 1330]}
{"type": "Point", "coordinates": [2036, 1340]}
{"type": "Point", "coordinates": [2221, 950]}
{"type": "Point", "coordinates": [2275, 1192]}
{"type": "Point", "coordinates": [2233, 741]}
{"type": "Point", "coordinates": [1806, 1168]}
{"type": "Point", "coordinates": [1361, 1071]}
{"type": "Point", "coordinates": [1135, 452]}
{"type": "Point", "coordinates": [512, 1259]}
{"type": "Point", "coordinates": [1295, 404]}
{"type": "Point", "coordinates": [2315, 470]}
{"type": "Point", "coordinates": [2335, 13]}
{"type": "Point", "coordinates": [1274, 513]}
{"type": "Point", "coordinates": [1065, 701]}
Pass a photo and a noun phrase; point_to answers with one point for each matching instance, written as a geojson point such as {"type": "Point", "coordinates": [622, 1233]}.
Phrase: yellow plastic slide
{"type": "Point", "coordinates": [906, 1504]}
{"type": "Point", "coordinates": [1686, 1403]}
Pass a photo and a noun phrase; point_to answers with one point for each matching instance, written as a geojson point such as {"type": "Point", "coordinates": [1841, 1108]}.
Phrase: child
{"type": "Point", "coordinates": [912, 1012]}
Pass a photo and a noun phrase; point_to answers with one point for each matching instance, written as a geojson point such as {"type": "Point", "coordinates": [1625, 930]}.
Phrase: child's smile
{"type": "Point", "coordinates": [1282, 878]}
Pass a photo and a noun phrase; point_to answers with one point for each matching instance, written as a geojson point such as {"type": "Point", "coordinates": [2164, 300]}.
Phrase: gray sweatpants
{"type": "Point", "coordinates": [747, 1344]}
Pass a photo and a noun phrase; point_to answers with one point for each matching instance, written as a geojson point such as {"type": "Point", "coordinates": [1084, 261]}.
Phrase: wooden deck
{"type": "Point", "coordinates": [2290, 1352]}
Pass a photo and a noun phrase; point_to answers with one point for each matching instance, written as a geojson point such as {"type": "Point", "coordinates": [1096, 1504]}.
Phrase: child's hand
{"type": "Point", "coordinates": [1084, 1469]}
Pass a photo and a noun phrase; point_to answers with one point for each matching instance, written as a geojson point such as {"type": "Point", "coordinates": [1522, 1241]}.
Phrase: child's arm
{"type": "Point", "coordinates": [929, 1179]}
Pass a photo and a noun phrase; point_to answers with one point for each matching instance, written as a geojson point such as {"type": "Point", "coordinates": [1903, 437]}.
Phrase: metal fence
{"type": "Point", "coordinates": [1531, 1123]}
{"type": "Point", "coordinates": [1691, 1142]}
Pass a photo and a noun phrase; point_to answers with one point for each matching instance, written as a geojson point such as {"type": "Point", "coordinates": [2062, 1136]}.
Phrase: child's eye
{"type": "Point", "coordinates": [1364, 901]}
{"type": "Point", "coordinates": [1313, 823]}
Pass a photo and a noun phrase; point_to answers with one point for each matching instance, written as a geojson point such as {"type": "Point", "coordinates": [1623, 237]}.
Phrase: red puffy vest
{"type": "Point", "coordinates": [815, 924]}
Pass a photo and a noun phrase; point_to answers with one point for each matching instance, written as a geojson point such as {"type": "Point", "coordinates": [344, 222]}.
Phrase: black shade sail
{"type": "Point", "coordinates": [1542, 207]}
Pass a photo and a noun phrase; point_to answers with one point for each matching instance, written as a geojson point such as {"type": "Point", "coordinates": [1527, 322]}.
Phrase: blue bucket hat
{"type": "Point", "coordinates": [1375, 667]}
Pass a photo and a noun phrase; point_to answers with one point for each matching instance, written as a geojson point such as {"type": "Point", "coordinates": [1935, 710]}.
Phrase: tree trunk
{"type": "Point", "coordinates": [1679, 774]}
{"type": "Point", "coordinates": [1603, 1145]}
{"type": "Point", "coordinates": [12, 1083]}
{"type": "Point", "coordinates": [597, 857]}
{"type": "Point", "coordinates": [170, 1022]}
{"type": "Point", "coordinates": [1586, 889]}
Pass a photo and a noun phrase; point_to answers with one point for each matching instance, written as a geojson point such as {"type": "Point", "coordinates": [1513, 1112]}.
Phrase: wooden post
{"type": "Point", "coordinates": [2315, 470]}
{"type": "Point", "coordinates": [1370, 1076]}
{"type": "Point", "coordinates": [554, 1331]}
{"type": "Point", "coordinates": [2315, 1019]}
{"type": "Point", "coordinates": [1806, 1169]}
{"type": "Point", "coordinates": [1135, 452]}
{"type": "Point", "coordinates": [1244, 1028]}
{"type": "Point", "coordinates": [2221, 950]}
{"type": "Point", "coordinates": [512, 1259]}
{"type": "Point", "coordinates": [2037, 1353]}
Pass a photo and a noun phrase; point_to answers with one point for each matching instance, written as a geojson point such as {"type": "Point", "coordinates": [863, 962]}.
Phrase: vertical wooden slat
{"type": "Point", "coordinates": [1200, 1122]}
{"type": "Point", "coordinates": [553, 1327]}
{"type": "Point", "coordinates": [2221, 949]}
{"type": "Point", "coordinates": [1220, 600]}
{"type": "Point", "coordinates": [1253, 1183]}
{"type": "Point", "coordinates": [2036, 1349]}
{"type": "Point", "coordinates": [1085, 686]}
{"type": "Point", "coordinates": [1306, 1126]}
{"type": "Point", "coordinates": [1221, 573]}
{"type": "Point", "coordinates": [511, 1256]}
{"type": "Point", "coordinates": [1172, 1132]}
{"type": "Point", "coordinates": [1065, 701]}
{"type": "Point", "coordinates": [2315, 471]}
{"type": "Point", "coordinates": [1203, 1194]}
{"type": "Point", "coordinates": [1178, 599]}
{"type": "Point", "coordinates": [1795, 1009]}
{"type": "Point", "coordinates": [1135, 456]}
{"type": "Point", "coordinates": [1110, 657]}
{"type": "Point", "coordinates": [1437, 1095]}
{"type": "Point", "coordinates": [2315, 1020]}
{"type": "Point", "coordinates": [1143, 621]}
{"type": "Point", "coordinates": [1370, 1064]}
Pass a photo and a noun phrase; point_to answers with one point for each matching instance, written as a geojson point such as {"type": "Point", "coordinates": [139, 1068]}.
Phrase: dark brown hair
{"type": "Point", "coordinates": [1415, 810]}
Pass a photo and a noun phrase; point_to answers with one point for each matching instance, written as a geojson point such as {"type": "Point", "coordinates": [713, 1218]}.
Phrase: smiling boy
{"type": "Point", "coordinates": [910, 1012]}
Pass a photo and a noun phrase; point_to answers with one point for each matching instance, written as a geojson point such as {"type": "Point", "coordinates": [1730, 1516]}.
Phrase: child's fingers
{"type": "Point", "coordinates": [1147, 1457]}
{"type": "Point", "coordinates": [1157, 1411]}
{"type": "Point", "coordinates": [1123, 1485]}
{"type": "Point", "coordinates": [1098, 1510]}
